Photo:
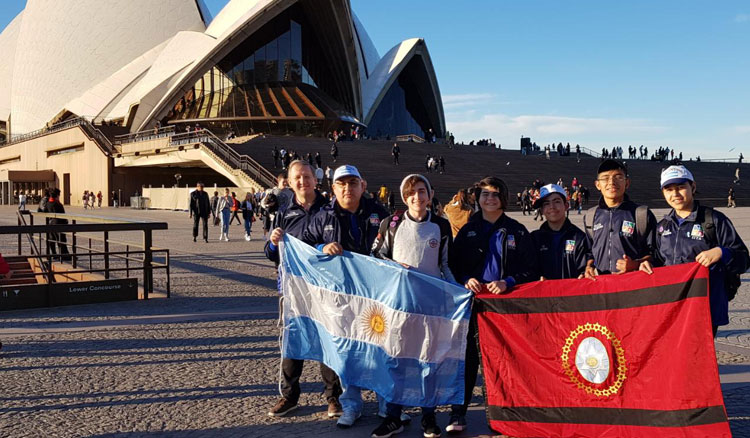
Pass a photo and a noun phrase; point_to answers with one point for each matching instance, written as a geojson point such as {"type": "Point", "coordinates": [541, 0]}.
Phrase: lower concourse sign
{"type": "Point", "coordinates": [67, 293]}
{"type": "Point", "coordinates": [627, 355]}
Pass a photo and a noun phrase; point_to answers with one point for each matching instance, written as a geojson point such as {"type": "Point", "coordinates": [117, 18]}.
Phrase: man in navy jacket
{"type": "Point", "coordinates": [349, 223]}
{"type": "Point", "coordinates": [293, 218]}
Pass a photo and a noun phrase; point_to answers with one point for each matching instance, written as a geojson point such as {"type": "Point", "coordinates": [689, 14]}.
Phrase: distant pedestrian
{"type": "Point", "coordinates": [275, 154]}
{"type": "Point", "coordinates": [731, 203]}
{"type": "Point", "coordinates": [115, 199]}
{"type": "Point", "coordinates": [395, 151]}
{"type": "Point", "coordinates": [737, 176]}
{"type": "Point", "coordinates": [441, 164]}
{"type": "Point", "coordinates": [319, 174]}
{"type": "Point", "coordinates": [99, 199]}
{"type": "Point", "coordinates": [318, 160]}
{"type": "Point", "coordinates": [22, 201]}
{"type": "Point", "coordinates": [224, 208]}
{"type": "Point", "coordinates": [741, 158]}
{"type": "Point", "coordinates": [235, 209]}
{"type": "Point", "coordinates": [334, 152]}
{"type": "Point", "coordinates": [200, 210]}
{"type": "Point", "coordinates": [329, 176]}
{"type": "Point", "coordinates": [248, 216]}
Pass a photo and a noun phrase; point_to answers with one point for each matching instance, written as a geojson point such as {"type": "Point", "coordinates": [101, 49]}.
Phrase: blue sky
{"type": "Point", "coordinates": [672, 73]}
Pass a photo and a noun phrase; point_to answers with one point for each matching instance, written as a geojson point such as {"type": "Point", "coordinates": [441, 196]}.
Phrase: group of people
{"type": "Point", "coordinates": [482, 248]}
{"type": "Point", "coordinates": [224, 210]}
{"type": "Point", "coordinates": [91, 200]}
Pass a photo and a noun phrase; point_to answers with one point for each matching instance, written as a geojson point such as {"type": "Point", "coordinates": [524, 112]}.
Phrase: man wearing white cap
{"type": "Point", "coordinates": [562, 248]}
{"type": "Point", "coordinates": [349, 223]}
{"type": "Point", "coordinates": [691, 232]}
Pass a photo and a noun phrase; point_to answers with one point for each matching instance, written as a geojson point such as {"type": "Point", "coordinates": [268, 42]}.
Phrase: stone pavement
{"type": "Point", "coordinates": [205, 362]}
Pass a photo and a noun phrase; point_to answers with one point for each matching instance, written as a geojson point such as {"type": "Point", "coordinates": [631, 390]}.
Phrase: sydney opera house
{"type": "Point", "coordinates": [96, 94]}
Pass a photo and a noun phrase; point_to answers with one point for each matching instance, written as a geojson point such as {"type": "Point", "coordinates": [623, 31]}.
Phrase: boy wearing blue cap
{"type": "Point", "coordinates": [691, 232]}
{"type": "Point", "coordinates": [562, 248]}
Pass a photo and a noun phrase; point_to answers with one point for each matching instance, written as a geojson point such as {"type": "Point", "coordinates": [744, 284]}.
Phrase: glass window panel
{"type": "Point", "coordinates": [285, 53]}
{"type": "Point", "coordinates": [260, 65]}
{"type": "Point", "coordinates": [272, 61]}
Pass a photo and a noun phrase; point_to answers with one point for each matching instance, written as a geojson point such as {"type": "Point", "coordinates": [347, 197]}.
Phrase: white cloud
{"type": "Point", "coordinates": [742, 129]}
{"type": "Point", "coordinates": [459, 102]}
{"type": "Point", "coordinates": [545, 129]}
{"type": "Point", "coordinates": [742, 18]}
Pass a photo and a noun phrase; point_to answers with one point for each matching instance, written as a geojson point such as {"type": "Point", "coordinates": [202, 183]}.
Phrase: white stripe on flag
{"type": "Point", "coordinates": [402, 335]}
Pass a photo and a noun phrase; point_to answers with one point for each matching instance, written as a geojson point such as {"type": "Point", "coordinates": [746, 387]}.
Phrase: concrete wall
{"type": "Point", "coordinates": [89, 168]}
{"type": "Point", "coordinates": [176, 198]}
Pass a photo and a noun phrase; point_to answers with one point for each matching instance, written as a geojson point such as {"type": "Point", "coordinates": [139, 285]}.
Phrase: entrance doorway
{"type": "Point", "coordinates": [66, 188]}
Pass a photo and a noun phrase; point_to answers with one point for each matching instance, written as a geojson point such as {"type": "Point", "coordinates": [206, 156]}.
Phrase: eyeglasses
{"type": "Point", "coordinates": [615, 178]}
{"type": "Point", "coordinates": [495, 195]}
{"type": "Point", "coordinates": [350, 183]}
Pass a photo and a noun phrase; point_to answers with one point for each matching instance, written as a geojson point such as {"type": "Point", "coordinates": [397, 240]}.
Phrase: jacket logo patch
{"type": "Point", "coordinates": [511, 242]}
{"type": "Point", "coordinates": [628, 228]}
{"type": "Point", "coordinates": [471, 234]}
{"type": "Point", "coordinates": [667, 233]}
{"type": "Point", "coordinates": [293, 213]}
{"type": "Point", "coordinates": [598, 227]}
{"type": "Point", "coordinates": [543, 248]}
{"type": "Point", "coordinates": [570, 245]}
{"type": "Point", "coordinates": [697, 232]}
{"type": "Point", "coordinates": [374, 220]}
{"type": "Point", "coordinates": [433, 243]}
{"type": "Point", "coordinates": [328, 228]}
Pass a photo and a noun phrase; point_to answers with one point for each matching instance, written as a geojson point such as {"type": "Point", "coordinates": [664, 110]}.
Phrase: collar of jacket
{"type": "Point", "coordinates": [623, 204]}
{"type": "Point", "coordinates": [501, 222]}
{"type": "Point", "coordinates": [566, 226]}
{"type": "Point", "coordinates": [365, 207]}
{"type": "Point", "coordinates": [319, 201]}
{"type": "Point", "coordinates": [692, 217]}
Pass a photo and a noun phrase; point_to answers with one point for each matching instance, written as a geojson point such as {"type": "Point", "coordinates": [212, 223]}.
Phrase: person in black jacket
{"type": "Point", "coordinates": [491, 253]}
{"type": "Point", "coordinates": [200, 210]}
{"type": "Point", "coordinates": [350, 223]}
{"type": "Point", "coordinates": [563, 249]}
{"type": "Point", "coordinates": [293, 218]}
{"type": "Point", "coordinates": [54, 205]}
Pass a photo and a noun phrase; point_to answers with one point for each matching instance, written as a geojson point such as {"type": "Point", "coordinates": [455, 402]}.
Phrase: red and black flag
{"type": "Point", "coordinates": [624, 356]}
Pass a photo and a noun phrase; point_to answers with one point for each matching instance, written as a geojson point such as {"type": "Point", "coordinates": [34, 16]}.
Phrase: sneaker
{"type": "Point", "coordinates": [430, 428]}
{"type": "Point", "coordinates": [282, 407]}
{"type": "Point", "coordinates": [389, 427]}
{"type": "Point", "coordinates": [194, 238]}
{"type": "Point", "coordinates": [347, 419]}
{"type": "Point", "coordinates": [405, 418]}
{"type": "Point", "coordinates": [334, 408]}
{"type": "Point", "coordinates": [456, 424]}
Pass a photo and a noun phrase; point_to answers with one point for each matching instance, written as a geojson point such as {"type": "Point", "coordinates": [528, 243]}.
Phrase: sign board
{"type": "Point", "coordinates": [63, 294]}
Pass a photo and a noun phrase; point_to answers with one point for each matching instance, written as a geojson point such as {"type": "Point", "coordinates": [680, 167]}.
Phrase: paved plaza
{"type": "Point", "coordinates": [204, 362]}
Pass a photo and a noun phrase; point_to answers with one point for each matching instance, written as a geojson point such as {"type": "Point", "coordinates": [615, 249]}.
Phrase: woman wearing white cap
{"type": "Point", "coordinates": [691, 232]}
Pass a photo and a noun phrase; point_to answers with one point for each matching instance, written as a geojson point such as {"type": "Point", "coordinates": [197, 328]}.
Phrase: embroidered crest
{"type": "Point", "coordinates": [393, 224]}
{"type": "Point", "coordinates": [598, 227]}
{"type": "Point", "coordinates": [433, 243]}
{"type": "Point", "coordinates": [628, 228]}
{"type": "Point", "coordinates": [374, 220]}
{"type": "Point", "coordinates": [697, 232]}
{"type": "Point", "coordinates": [471, 234]}
{"type": "Point", "coordinates": [511, 242]}
{"type": "Point", "coordinates": [570, 245]}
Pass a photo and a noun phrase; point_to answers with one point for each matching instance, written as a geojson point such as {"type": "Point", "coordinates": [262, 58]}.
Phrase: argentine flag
{"type": "Point", "coordinates": [395, 331]}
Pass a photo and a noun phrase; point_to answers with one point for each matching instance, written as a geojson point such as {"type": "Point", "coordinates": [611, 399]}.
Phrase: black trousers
{"type": "Point", "coordinates": [234, 215]}
{"type": "Point", "coordinates": [197, 218]}
{"type": "Point", "coordinates": [471, 366]}
{"type": "Point", "coordinates": [291, 370]}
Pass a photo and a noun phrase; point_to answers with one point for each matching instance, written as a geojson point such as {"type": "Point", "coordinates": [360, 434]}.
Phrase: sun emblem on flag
{"type": "Point", "coordinates": [375, 323]}
{"type": "Point", "coordinates": [592, 365]}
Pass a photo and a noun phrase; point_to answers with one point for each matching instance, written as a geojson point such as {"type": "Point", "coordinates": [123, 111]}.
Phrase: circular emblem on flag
{"type": "Point", "coordinates": [594, 363]}
{"type": "Point", "coordinates": [375, 323]}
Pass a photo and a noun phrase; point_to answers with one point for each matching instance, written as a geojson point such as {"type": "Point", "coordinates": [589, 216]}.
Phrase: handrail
{"type": "Point", "coordinates": [146, 134]}
{"type": "Point", "coordinates": [34, 250]}
{"type": "Point", "coordinates": [20, 138]}
{"type": "Point", "coordinates": [242, 162]}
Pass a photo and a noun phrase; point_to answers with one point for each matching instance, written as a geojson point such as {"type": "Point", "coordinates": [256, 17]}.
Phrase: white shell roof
{"type": "Point", "coordinates": [7, 54]}
{"type": "Point", "coordinates": [63, 48]}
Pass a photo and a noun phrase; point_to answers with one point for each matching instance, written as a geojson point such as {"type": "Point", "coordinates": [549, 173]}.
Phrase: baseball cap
{"type": "Point", "coordinates": [346, 170]}
{"type": "Point", "coordinates": [610, 164]}
{"type": "Point", "coordinates": [675, 175]}
{"type": "Point", "coordinates": [548, 190]}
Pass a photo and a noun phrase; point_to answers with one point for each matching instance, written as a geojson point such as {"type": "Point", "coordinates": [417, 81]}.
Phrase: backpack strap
{"type": "Point", "coordinates": [641, 224]}
{"type": "Point", "coordinates": [390, 233]}
{"type": "Point", "coordinates": [706, 218]}
{"type": "Point", "coordinates": [588, 222]}
{"type": "Point", "coordinates": [446, 234]}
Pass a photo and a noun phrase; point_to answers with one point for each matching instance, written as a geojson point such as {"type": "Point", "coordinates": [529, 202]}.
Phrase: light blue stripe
{"type": "Point", "coordinates": [384, 281]}
{"type": "Point", "coordinates": [408, 382]}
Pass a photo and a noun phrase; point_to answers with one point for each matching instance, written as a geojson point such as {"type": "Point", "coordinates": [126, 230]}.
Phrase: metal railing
{"type": "Point", "coordinates": [148, 134]}
{"type": "Point", "coordinates": [73, 243]}
{"type": "Point", "coordinates": [232, 158]}
{"type": "Point", "coordinates": [90, 130]}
